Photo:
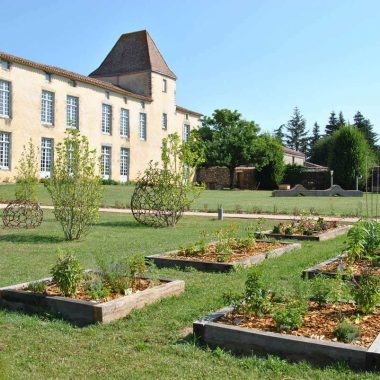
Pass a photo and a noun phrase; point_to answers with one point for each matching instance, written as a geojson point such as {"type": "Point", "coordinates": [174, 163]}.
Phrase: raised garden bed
{"type": "Point", "coordinates": [81, 310]}
{"type": "Point", "coordinates": [257, 336]}
{"type": "Point", "coordinates": [262, 250]}
{"type": "Point", "coordinates": [330, 268]}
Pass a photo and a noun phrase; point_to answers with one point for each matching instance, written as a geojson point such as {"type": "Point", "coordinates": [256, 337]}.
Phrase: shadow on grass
{"type": "Point", "coordinates": [31, 238]}
{"type": "Point", "coordinates": [121, 223]}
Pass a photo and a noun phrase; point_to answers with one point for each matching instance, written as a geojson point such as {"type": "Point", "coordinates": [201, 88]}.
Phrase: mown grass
{"type": "Point", "coordinates": [153, 343]}
{"type": "Point", "coordinates": [234, 201]}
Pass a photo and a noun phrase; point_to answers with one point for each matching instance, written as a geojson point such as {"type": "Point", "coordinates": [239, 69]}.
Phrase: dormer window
{"type": "Point", "coordinates": [164, 85]}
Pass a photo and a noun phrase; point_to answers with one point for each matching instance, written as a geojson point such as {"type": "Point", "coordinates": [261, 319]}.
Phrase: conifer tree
{"type": "Point", "coordinates": [279, 133]}
{"type": "Point", "coordinates": [333, 124]}
{"type": "Point", "coordinates": [296, 138]}
{"type": "Point", "coordinates": [341, 120]}
{"type": "Point", "coordinates": [314, 138]}
{"type": "Point", "coordinates": [366, 128]}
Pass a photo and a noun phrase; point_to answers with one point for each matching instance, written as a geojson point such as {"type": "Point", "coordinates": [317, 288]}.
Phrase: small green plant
{"type": "Point", "coordinates": [97, 289]}
{"type": "Point", "coordinates": [224, 251]}
{"type": "Point", "coordinates": [321, 287]}
{"type": "Point", "coordinates": [67, 274]}
{"type": "Point", "coordinates": [289, 317]}
{"type": "Point", "coordinates": [289, 230]}
{"type": "Point", "coordinates": [37, 286]}
{"type": "Point", "coordinates": [346, 331]}
{"type": "Point", "coordinates": [366, 293]}
{"type": "Point", "coordinates": [137, 267]}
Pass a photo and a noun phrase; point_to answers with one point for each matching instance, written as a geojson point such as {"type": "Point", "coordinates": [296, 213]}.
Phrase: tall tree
{"type": "Point", "coordinates": [314, 138]}
{"type": "Point", "coordinates": [333, 124]}
{"type": "Point", "coordinates": [229, 140]}
{"type": "Point", "coordinates": [296, 136]}
{"type": "Point", "coordinates": [366, 128]}
{"type": "Point", "coordinates": [341, 120]}
{"type": "Point", "coordinates": [279, 133]}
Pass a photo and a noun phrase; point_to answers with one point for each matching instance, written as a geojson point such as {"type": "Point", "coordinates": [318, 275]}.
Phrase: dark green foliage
{"type": "Point", "coordinates": [268, 158]}
{"type": "Point", "coordinates": [320, 151]}
{"type": "Point", "coordinates": [67, 274]}
{"type": "Point", "coordinates": [348, 156]}
{"type": "Point", "coordinates": [366, 293]}
{"type": "Point", "coordinates": [316, 135]}
{"type": "Point", "coordinates": [110, 182]}
{"type": "Point", "coordinates": [289, 317]}
{"type": "Point", "coordinates": [341, 120]}
{"type": "Point", "coordinates": [366, 128]}
{"type": "Point", "coordinates": [321, 288]}
{"type": "Point", "coordinates": [37, 286]}
{"type": "Point", "coordinates": [346, 331]}
{"type": "Point", "coordinates": [296, 137]}
{"type": "Point", "coordinates": [333, 124]}
{"type": "Point", "coordinates": [279, 133]}
{"type": "Point", "coordinates": [294, 174]}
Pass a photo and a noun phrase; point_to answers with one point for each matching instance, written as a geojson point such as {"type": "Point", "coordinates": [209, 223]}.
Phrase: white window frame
{"type": "Point", "coordinates": [124, 122]}
{"type": "Point", "coordinates": [106, 118]}
{"type": "Point", "coordinates": [47, 151]}
{"type": "Point", "coordinates": [186, 132]}
{"type": "Point", "coordinates": [47, 107]}
{"type": "Point", "coordinates": [164, 123]}
{"type": "Point", "coordinates": [5, 99]}
{"type": "Point", "coordinates": [5, 151]}
{"type": "Point", "coordinates": [106, 161]}
{"type": "Point", "coordinates": [124, 164]}
{"type": "Point", "coordinates": [72, 112]}
{"type": "Point", "coordinates": [143, 126]}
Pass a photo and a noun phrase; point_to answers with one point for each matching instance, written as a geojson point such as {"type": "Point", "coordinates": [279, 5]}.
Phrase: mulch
{"type": "Point", "coordinates": [357, 268]}
{"type": "Point", "coordinates": [211, 256]}
{"type": "Point", "coordinates": [318, 323]}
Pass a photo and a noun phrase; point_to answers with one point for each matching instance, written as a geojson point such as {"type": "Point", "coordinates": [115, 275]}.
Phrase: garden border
{"type": "Point", "coordinates": [327, 235]}
{"type": "Point", "coordinates": [242, 340]}
{"type": "Point", "coordinates": [81, 312]}
{"type": "Point", "coordinates": [161, 260]}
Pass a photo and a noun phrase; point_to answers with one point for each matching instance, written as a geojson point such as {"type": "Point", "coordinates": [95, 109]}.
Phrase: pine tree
{"type": "Point", "coordinates": [332, 125]}
{"type": "Point", "coordinates": [341, 121]}
{"type": "Point", "coordinates": [296, 127]}
{"type": "Point", "coordinates": [314, 138]}
{"type": "Point", "coordinates": [279, 133]}
{"type": "Point", "coordinates": [365, 127]}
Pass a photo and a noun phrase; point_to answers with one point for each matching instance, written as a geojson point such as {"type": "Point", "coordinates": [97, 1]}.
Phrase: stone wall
{"type": "Point", "coordinates": [216, 177]}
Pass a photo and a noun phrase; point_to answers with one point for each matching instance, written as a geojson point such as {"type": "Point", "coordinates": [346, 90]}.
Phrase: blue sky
{"type": "Point", "coordinates": [259, 57]}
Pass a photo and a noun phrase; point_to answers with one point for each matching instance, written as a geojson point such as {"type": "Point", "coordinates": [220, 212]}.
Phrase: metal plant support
{"type": "Point", "coordinates": [22, 214]}
{"type": "Point", "coordinates": [156, 206]}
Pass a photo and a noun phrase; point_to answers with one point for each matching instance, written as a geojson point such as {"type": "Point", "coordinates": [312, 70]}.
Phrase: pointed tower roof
{"type": "Point", "coordinates": [133, 52]}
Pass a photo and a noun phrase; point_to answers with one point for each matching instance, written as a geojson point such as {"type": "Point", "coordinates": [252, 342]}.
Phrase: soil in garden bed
{"type": "Point", "coordinates": [53, 290]}
{"type": "Point", "coordinates": [212, 256]}
{"type": "Point", "coordinates": [307, 229]}
{"type": "Point", "coordinates": [359, 267]}
{"type": "Point", "coordinates": [318, 323]}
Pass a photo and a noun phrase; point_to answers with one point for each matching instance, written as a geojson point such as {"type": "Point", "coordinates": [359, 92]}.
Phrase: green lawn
{"type": "Point", "coordinates": [152, 343]}
{"type": "Point", "coordinates": [233, 201]}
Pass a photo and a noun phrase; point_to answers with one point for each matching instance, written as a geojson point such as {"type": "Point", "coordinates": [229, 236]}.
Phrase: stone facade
{"type": "Point", "coordinates": [24, 84]}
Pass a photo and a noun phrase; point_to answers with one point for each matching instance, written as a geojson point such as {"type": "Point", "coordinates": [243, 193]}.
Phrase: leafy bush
{"type": "Point", "coordinates": [37, 286]}
{"type": "Point", "coordinates": [75, 185]}
{"type": "Point", "coordinates": [109, 182]}
{"type": "Point", "coordinates": [27, 174]}
{"type": "Point", "coordinates": [97, 289]}
{"type": "Point", "coordinates": [346, 331]}
{"type": "Point", "coordinates": [289, 317]}
{"type": "Point", "coordinates": [366, 293]}
{"type": "Point", "coordinates": [67, 274]}
{"type": "Point", "coordinates": [321, 288]}
{"type": "Point", "coordinates": [293, 174]}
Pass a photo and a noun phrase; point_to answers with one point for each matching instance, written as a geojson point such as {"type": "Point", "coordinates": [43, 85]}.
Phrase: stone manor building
{"type": "Point", "coordinates": [125, 108]}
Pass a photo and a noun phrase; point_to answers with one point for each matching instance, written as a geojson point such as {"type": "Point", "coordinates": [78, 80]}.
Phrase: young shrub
{"type": "Point", "coordinates": [75, 185]}
{"type": "Point", "coordinates": [27, 174]}
{"type": "Point", "coordinates": [97, 289]}
{"type": "Point", "coordinates": [290, 317]}
{"type": "Point", "coordinates": [137, 267]}
{"type": "Point", "coordinates": [366, 293]}
{"type": "Point", "coordinates": [37, 286]}
{"type": "Point", "coordinates": [67, 274]}
{"type": "Point", "coordinates": [321, 287]}
{"type": "Point", "coordinates": [346, 331]}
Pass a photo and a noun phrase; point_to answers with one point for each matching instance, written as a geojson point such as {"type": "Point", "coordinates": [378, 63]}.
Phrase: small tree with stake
{"type": "Point", "coordinates": [75, 185]}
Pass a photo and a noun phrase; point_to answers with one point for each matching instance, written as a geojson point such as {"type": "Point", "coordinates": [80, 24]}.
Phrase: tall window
{"type": "Point", "coordinates": [106, 118]}
{"type": "Point", "coordinates": [186, 132]}
{"type": "Point", "coordinates": [124, 164]}
{"type": "Point", "coordinates": [46, 156]}
{"type": "Point", "coordinates": [164, 121]}
{"type": "Point", "coordinates": [142, 129]}
{"type": "Point", "coordinates": [5, 98]}
{"type": "Point", "coordinates": [72, 112]}
{"type": "Point", "coordinates": [124, 122]}
{"type": "Point", "coordinates": [164, 85]}
{"type": "Point", "coordinates": [106, 162]}
{"type": "Point", "coordinates": [4, 150]}
{"type": "Point", "coordinates": [47, 107]}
